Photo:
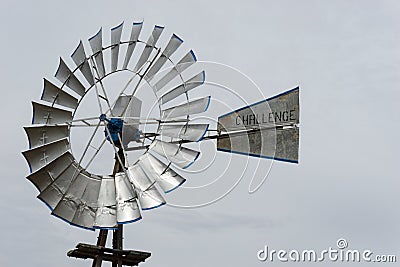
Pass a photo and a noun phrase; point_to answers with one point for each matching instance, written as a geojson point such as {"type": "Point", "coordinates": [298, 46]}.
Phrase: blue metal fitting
{"type": "Point", "coordinates": [103, 117]}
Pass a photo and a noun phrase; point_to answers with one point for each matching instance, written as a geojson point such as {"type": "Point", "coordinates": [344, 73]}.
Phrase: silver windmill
{"type": "Point", "coordinates": [94, 201]}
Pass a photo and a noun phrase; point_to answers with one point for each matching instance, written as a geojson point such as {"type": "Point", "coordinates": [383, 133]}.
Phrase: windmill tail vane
{"type": "Point", "coordinates": [266, 129]}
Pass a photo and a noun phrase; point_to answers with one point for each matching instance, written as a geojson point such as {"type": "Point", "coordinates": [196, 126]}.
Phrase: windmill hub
{"type": "Point", "coordinates": [114, 132]}
{"type": "Point", "coordinates": [114, 129]}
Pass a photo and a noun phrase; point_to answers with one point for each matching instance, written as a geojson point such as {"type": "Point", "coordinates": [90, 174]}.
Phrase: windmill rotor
{"type": "Point", "coordinates": [83, 198]}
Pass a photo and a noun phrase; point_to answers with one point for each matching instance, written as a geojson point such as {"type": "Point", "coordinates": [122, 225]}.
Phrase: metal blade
{"type": "Point", "coordinates": [80, 59]}
{"type": "Point", "coordinates": [55, 95]}
{"type": "Point", "coordinates": [40, 135]}
{"type": "Point", "coordinates": [188, 60]}
{"type": "Point", "coordinates": [80, 198]}
{"type": "Point", "coordinates": [171, 47]}
{"type": "Point", "coordinates": [65, 75]}
{"type": "Point", "coordinates": [127, 207]}
{"type": "Point", "coordinates": [136, 28]}
{"type": "Point", "coordinates": [151, 42]}
{"type": "Point", "coordinates": [124, 189]}
{"type": "Point", "coordinates": [84, 217]}
{"type": "Point", "coordinates": [85, 213]}
{"type": "Point", "coordinates": [53, 193]}
{"type": "Point", "coordinates": [192, 107]}
{"type": "Point", "coordinates": [148, 195]}
{"type": "Point", "coordinates": [43, 114]}
{"type": "Point", "coordinates": [106, 214]}
{"type": "Point", "coordinates": [46, 175]}
{"type": "Point", "coordinates": [165, 177]}
{"type": "Point", "coordinates": [115, 40]}
{"type": "Point", "coordinates": [188, 132]}
{"type": "Point", "coordinates": [43, 155]}
{"type": "Point", "coordinates": [188, 85]}
{"type": "Point", "coordinates": [128, 212]}
{"type": "Point", "coordinates": [96, 43]}
{"type": "Point", "coordinates": [181, 156]}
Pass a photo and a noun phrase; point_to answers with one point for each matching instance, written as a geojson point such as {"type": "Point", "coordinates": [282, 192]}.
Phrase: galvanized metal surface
{"type": "Point", "coordinates": [166, 177]}
{"type": "Point", "coordinates": [266, 129]}
{"type": "Point", "coordinates": [188, 60]}
{"type": "Point", "coordinates": [148, 195]}
{"type": "Point", "coordinates": [54, 95]}
{"type": "Point", "coordinates": [43, 177]}
{"type": "Point", "coordinates": [80, 59]}
{"type": "Point", "coordinates": [189, 132]}
{"type": "Point", "coordinates": [135, 31]}
{"type": "Point", "coordinates": [151, 42]}
{"type": "Point", "coordinates": [188, 85]}
{"type": "Point", "coordinates": [171, 47]}
{"type": "Point", "coordinates": [39, 135]}
{"type": "Point", "coordinates": [190, 108]}
{"type": "Point", "coordinates": [96, 43]}
{"type": "Point", "coordinates": [43, 114]}
{"type": "Point", "coordinates": [115, 43]}
{"type": "Point", "coordinates": [179, 155]}
{"type": "Point", "coordinates": [41, 156]}
{"type": "Point", "coordinates": [67, 77]}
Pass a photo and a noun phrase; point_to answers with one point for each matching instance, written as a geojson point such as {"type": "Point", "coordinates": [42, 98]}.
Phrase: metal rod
{"type": "Point", "coordinates": [95, 153]}
{"type": "Point", "coordinates": [93, 66]}
{"type": "Point", "coordinates": [89, 143]}
{"type": "Point", "coordinates": [232, 134]}
{"type": "Point", "coordinates": [102, 87]}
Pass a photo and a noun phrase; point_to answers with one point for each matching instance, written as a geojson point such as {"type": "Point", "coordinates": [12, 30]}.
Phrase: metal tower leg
{"type": "Point", "coordinates": [118, 244]}
{"type": "Point", "coordinates": [118, 234]}
{"type": "Point", "coordinates": [101, 241]}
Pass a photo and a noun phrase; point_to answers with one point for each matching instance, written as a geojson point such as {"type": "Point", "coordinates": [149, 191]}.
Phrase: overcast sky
{"type": "Point", "coordinates": [345, 57]}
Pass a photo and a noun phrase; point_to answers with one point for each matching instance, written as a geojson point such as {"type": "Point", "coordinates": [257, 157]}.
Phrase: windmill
{"type": "Point", "coordinates": [106, 202]}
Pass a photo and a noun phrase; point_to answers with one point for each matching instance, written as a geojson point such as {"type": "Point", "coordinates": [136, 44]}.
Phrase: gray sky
{"type": "Point", "coordinates": [343, 54]}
